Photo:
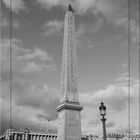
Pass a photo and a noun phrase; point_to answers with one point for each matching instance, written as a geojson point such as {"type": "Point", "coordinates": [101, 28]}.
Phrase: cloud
{"type": "Point", "coordinates": [25, 60]}
{"type": "Point", "coordinates": [34, 67]}
{"type": "Point", "coordinates": [38, 96]}
{"type": "Point", "coordinates": [5, 23]}
{"type": "Point", "coordinates": [107, 7]}
{"type": "Point", "coordinates": [115, 12]}
{"type": "Point", "coordinates": [124, 65]}
{"type": "Point", "coordinates": [51, 3]}
{"type": "Point", "coordinates": [82, 39]}
{"type": "Point", "coordinates": [115, 94]}
{"type": "Point", "coordinates": [25, 118]}
{"type": "Point", "coordinates": [85, 31]}
{"type": "Point", "coordinates": [95, 123]}
{"type": "Point", "coordinates": [37, 53]}
{"type": "Point", "coordinates": [15, 5]}
{"type": "Point", "coordinates": [134, 26]}
{"type": "Point", "coordinates": [111, 95]}
{"type": "Point", "coordinates": [110, 124]}
{"type": "Point", "coordinates": [81, 6]}
{"type": "Point", "coordinates": [80, 36]}
{"type": "Point", "coordinates": [52, 27]}
{"type": "Point", "coordinates": [120, 17]}
{"type": "Point", "coordinates": [36, 60]}
{"type": "Point", "coordinates": [42, 117]}
{"type": "Point", "coordinates": [16, 24]}
{"type": "Point", "coordinates": [134, 30]}
{"type": "Point", "coordinates": [28, 95]}
{"type": "Point", "coordinates": [35, 103]}
{"type": "Point", "coordinates": [25, 91]}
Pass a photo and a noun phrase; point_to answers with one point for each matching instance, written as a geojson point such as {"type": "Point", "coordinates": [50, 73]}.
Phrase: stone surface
{"type": "Point", "coordinates": [69, 119]}
{"type": "Point", "coordinates": [69, 61]}
{"type": "Point", "coordinates": [73, 125]}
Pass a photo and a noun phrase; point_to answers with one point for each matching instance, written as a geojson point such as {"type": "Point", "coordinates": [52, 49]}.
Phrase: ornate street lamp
{"type": "Point", "coordinates": [26, 134]}
{"type": "Point", "coordinates": [102, 109]}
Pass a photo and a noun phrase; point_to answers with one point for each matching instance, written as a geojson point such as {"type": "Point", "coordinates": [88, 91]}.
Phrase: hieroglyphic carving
{"type": "Point", "coordinates": [73, 123]}
{"type": "Point", "coordinates": [69, 61]}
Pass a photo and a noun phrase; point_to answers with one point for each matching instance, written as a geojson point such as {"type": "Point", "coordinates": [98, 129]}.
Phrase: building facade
{"type": "Point", "coordinates": [132, 137]}
{"type": "Point", "coordinates": [21, 134]}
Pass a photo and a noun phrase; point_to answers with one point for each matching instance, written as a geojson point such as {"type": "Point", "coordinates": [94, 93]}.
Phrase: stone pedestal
{"type": "Point", "coordinates": [69, 121]}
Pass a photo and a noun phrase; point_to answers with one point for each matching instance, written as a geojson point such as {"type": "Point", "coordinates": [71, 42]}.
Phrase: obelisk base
{"type": "Point", "coordinates": [69, 121]}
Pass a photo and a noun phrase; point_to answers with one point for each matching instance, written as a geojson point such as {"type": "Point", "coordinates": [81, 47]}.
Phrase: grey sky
{"type": "Point", "coordinates": [102, 43]}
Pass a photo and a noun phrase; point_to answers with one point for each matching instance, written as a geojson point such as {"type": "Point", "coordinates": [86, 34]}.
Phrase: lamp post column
{"type": "Point", "coordinates": [104, 127]}
{"type": "Point", "coordinates": [102, 109]}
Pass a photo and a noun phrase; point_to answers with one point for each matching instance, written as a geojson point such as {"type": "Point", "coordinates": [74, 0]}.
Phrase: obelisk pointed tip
{"type": "Point", "coordinates": [70, 8]}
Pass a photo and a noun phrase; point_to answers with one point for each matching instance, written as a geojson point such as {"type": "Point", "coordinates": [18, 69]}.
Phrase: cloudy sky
{"type": "Point", "coordinates": [102, 44]}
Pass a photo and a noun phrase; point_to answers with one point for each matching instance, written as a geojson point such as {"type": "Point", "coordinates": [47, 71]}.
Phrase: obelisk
{"type": "Point", "coordinates": [69, 119]}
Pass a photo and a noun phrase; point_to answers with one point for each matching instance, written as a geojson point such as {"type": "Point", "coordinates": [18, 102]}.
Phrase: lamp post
{"type": "Point", "coordinates": [26, 134]}
{"type": "Point", "coordinates": [102, 109]}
